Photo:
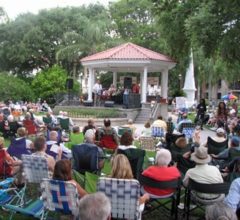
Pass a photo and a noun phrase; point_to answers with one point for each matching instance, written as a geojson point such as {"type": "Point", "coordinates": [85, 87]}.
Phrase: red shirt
{"type": "Point", "coordinates": [161, 174]}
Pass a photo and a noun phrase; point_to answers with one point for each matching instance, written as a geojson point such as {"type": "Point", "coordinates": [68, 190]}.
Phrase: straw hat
{"type": "Point", "coordinates": [201, 155]}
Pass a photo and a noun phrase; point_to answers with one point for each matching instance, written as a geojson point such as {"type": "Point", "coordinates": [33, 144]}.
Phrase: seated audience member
{"type": "Point", "coordinates": [12, 126]}
{"type": "Point", "coordinates": [234, 144]}
{"type": "Point", "coordinates": [179, 148]}
{"type": "Point", "coordinates": [63, 171]}
{"type": "Point", "coordinates": [20, 145]}
{"type": "Point", "coordinates": [40, 148]}
{"type": "Point", "coordinates": [202, 172]}
{"type": "Point", "coordinates": [184, 120]}
{"type": "Point", "coordinates": [107, 136]}
{"type": "Point", "coordinates": [160, 123]}
{"type": "Point", "coordinates": [53, 120]}
{"type": "Point", "coordinates": [147, 131]}
{"type": "Point", "coordinates": [121, 169]}
{"type": "Point", "coordinates": [95, 206]}
{"type": "Point", "coordinates": [90, 125]}
{"type": "Point", "coordinates": [220, 136]}
{"type": "Point", "coordinates": [219, 211]}
{"type": "Point", "coordinates": [64, 115]}
{"type": "Point", "coordinates": [161, 172]}
{"type": "Point", "coordinates": [29, 124]}
{"type": "Point", "coordinates": [22, 133]}
{"type": "Point", "coordinates": [76, 137]}
{"type": "Point", "coordinates": [232, 200]}
{"type": "Point", "coordinates": [170, 125]}
{"type": "Point", "coordinates": [126, 141]}
{"type": "Point", "coordinates": [131, 126]}
{"type": "Point", "coordinates": [53, 145]}
{"type": "Point", "coordinates": [90, 142]}
{"type": "Point", "coordinates": [8, 166]}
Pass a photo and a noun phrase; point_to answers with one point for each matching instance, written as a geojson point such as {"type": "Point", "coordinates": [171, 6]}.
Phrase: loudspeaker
{"type": "Point", "coordinates": [127, 82]}
{"type": "Point", "coordinates": [69, 84]}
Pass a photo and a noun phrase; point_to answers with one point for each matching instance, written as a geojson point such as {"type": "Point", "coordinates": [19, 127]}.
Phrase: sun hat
{"type": "Point", "coordinates": [220, 131]}
{"type": "Point", "coordinates": [201, 155]}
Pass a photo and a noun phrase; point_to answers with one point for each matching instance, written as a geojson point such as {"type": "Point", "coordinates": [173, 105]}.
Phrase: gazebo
{"type": "Point", "coordinates": [131, 58]}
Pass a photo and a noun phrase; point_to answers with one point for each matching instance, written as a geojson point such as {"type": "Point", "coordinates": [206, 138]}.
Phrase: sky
{"type": "Point", "coordinates": [16, 7]}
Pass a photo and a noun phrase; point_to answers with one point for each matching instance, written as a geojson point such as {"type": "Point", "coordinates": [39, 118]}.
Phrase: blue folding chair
{"type": "Point", "coordinates": [158, 132]}
{"type": "Point", "coordinates": [60, 196]}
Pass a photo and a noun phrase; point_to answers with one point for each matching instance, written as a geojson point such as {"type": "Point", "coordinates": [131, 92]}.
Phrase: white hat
{"type": "Point", "coordinates": [220, 131]}
{"type": "Point", "coordinates": [201, 155]}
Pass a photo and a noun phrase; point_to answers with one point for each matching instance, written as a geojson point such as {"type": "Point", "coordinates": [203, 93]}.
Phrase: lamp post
{"type": "Point", "coordinates": [180, 81]}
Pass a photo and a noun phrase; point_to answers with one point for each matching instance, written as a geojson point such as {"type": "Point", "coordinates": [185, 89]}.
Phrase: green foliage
{"type": "Point", "coordinates": [50, 82]}
{"type": "Point", "coordinates": [32, 41]}
{"type": "Point", "coordinates": [12, 87]}
{"type": "Point", "coordinates": [135, 23]}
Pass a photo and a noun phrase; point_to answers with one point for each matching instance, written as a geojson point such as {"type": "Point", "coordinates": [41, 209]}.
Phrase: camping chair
{"type": "Point", "coordinates": [158, 132]}
{"type": "Point", "coordinates": [191, 194]}
{"type": "Point", "coordinates": [85, 158]}
{"type": "Point", "coordinates": [35, 168]}
{"type": "Point", "coordinates": [216, 147]}
{"type": "Point", "coordinates": [9, 193]}
{"type": "Point", "coordinates": [124, 195]}
{"type": "Point", "coordinates": [34, 209]}
{"type": "Point", "coordinates": [47, 121]}
{"type": "Point", "coordinates": [10, 196]}
{"type": "Point", "coordinates": [60, 196]}
{"type": "Point", "coordinates": [64, 124]}
{"type": "Point", "coordinates": [171, 138]}
{"type": "Point", "coordinates": [122, 130]}
{"type": "Point", "coordinates": [175, 151]}
{"type": "Point", "coordinates": [233, 154]}
{"type": "Point", "coordinates": [171, 184]}
{"type": "Point", "coordinates": [13, 126]}
{"type": "Point", "coordinates": [188, 129]}
{"type": "Point", "coordinates": [136, 159]}
{"type": "Point", "coordinates": [147, 143]}
{"type": "Point", "coordinates": [18, 147]}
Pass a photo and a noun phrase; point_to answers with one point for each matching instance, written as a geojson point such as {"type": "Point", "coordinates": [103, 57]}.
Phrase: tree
{"type": "Point", "coordinates": [135, 22]}
{"type": "Point", "coordinates": [13, 88]}
{"type": "Point", "coordinates": [31, 42]}
{"type": "Point", "coordinates": [50, 82]}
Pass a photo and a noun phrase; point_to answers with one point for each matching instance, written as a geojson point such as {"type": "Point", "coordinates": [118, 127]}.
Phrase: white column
{"type": "Point", "coordinates": [144, 86]}
{"type": "Point", "coordinates": [93, 77]}
{"type": "Point", "coordinates": [164, 84]}
{"type": "Point", "coordinates": [141, 86]}
{"type": "Point", "coordinates": [90, 81]}
{"type": "Point", "coordinates": [115, 79]}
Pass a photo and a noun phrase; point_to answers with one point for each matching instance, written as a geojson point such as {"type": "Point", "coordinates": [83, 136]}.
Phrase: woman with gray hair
{"type": "Point", "coordinates": [95, 206]}
{"type": "Point", "coordinates": [161, 172]}
{"type": "Point", "coordinates": [220, 211]}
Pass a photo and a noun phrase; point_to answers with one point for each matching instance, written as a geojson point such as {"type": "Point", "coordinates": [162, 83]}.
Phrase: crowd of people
{"type": "Point", "coordinates": [178, 156]}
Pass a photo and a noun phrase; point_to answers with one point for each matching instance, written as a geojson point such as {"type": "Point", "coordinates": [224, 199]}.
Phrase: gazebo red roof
{"type": "Point", "coordinates": [128, 51]}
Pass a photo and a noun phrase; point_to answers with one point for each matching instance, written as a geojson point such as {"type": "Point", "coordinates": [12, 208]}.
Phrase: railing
{"type": "Point", "coordinates": [154, 109]}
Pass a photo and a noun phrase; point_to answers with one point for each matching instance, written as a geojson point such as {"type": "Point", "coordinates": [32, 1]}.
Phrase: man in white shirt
{"type": "Point", "coordinates": [97, 90]}
{"type": "Point", "coordinates": [202, 172]}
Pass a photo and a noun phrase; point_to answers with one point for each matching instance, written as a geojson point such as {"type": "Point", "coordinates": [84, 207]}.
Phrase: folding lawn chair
{"type": "Point", "coordinates": [124, 196]}
{"type": "Point", "coordinates": [194, 188]}
{"type": "Point", "coordinates": [174, 184]}
{"type": "Point", "coordinates": [60, 196]}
